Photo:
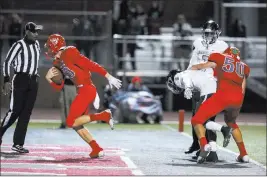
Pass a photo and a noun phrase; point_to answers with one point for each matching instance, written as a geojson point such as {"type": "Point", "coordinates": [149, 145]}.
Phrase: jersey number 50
{"type": "Point", "coordinates": [229, 66]}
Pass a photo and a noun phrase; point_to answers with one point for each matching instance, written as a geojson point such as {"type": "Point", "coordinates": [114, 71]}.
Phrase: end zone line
{"type": "Point", "coordinates": [219, 147]}
{"type": "Point", "coordinates": [239, 123]}
{"type": "Point", "coordinates": [32, 173]}
{"type": "Point", "coordinates": [131, 165]}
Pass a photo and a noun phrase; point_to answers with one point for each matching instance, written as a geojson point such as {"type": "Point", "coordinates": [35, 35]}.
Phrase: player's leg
{"type": "Point", "coordinates": [208, 109]}
{"type": "Point", "coordinates": [97, 151]}
{"type": "Point", "coordinates": [195, 104]}
{"type": "Point", "coordinates": [78, 107]}
{"type": "Point", "coordinates": [230, 119]}
{"type": "Point", "coordinates": [225, 130]}
{"type": "Point", "coordinates": [105, 115]}
{"type": "Point", "coordinates": [211, 138]}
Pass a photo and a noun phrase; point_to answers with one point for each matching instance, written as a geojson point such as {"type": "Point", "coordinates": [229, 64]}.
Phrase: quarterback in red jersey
{"type": "Point", "coordinates": [78, 68]}
{"type": "Point", "coordinates": [231, 74]}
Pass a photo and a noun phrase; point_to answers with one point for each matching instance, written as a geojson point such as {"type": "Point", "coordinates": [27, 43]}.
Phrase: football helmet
{"type": "Point", "coordinates": [232, 51]}
{"type": "Point", "coordinates": [210, 32]}
{"type": "Point", "coordinates": [54, 43]}
{"type": "Point", "coordinates": [171, 84]}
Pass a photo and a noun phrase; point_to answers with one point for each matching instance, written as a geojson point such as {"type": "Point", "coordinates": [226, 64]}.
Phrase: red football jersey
{"type": "Point", "coordinates": [230, 71]}
{"type": "Point", "coordinates": [77, 67]}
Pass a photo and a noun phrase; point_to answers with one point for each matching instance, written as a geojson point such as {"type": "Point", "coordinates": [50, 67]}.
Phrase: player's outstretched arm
{"type": "Point", "coordinates": [208, 64]}
{"type": "Point", "coordinates": [50, 74]}
{"type": "Point", "coordinates": [94, 67]}
{"type": "Point", "coordinates": [87, 64]}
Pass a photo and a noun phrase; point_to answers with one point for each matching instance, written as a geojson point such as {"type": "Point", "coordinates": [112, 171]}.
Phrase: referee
{"type": "Point", "coordinates": [23, 56]}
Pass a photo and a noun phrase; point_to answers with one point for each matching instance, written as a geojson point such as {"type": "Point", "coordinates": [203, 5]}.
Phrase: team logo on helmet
{"type": "Point", "coordinates": [54, 41]}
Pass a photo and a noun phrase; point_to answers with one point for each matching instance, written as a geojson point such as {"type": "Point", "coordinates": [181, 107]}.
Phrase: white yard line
{"type": "Point", "coordinates": [221, 148]}
{"type": "Point", "coordinates": [31, 173]}
{"type": "Point", "coordinates": [34, 147]}
{"type": "Point", "coordinates": [239, 123]}
{"type": "Point", "coordinates": [131, 165]}
{"type": "Point", "coordinates": [107, 153]}
{"type": "Point", "coordinates": [60, 166]}
{"type": "Point", "coordinates": [29, 157]}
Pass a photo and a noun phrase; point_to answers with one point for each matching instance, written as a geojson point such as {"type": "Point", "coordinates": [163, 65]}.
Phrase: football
{"type": "Point", "coordinates": [58, 78]}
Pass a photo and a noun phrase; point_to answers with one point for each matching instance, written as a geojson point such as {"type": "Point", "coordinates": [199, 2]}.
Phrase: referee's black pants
{"type": "Point", "coordinates": [197, 100]}
{"type": "Point", "coordinates": [23, 96]}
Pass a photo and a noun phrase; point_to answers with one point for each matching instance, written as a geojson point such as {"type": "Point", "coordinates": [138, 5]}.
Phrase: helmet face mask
{"type": "Point", "coordinates": [171, 84]}
{"type": "Point", "coordinates": [210, 32]}
{"type": "Point", "coordinates": [49, 54]}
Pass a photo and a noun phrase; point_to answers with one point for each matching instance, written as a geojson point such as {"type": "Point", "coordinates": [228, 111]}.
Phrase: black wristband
{"type": "Point", "coordinates": [6, 79]}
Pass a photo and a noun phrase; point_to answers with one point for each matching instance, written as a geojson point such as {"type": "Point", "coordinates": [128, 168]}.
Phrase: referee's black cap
{"type": "Point", "coordinates": [32, 27]}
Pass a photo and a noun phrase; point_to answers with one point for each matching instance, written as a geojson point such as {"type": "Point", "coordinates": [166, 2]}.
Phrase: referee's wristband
{"type": "Point", "coordinates": [6, 79]}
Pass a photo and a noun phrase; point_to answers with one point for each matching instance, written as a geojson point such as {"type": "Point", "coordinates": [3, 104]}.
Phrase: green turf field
{"type": "Point", "coordinates": [254, 136]}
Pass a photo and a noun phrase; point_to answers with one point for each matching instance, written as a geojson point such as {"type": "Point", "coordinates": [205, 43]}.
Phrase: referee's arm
{"type": "Point", "coordinates": [11, 55]}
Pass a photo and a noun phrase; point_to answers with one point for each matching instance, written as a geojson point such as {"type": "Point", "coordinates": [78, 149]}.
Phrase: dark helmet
{"type": "Point", "coordinates": [171, 84]}
{"type": "Point", "coordinates": [210, 32]}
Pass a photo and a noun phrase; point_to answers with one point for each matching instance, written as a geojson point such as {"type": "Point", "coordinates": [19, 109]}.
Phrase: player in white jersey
{"type": "Point", "coordinates": [197, 80]}
{"type": "Point", "coordinates": [202, 48]}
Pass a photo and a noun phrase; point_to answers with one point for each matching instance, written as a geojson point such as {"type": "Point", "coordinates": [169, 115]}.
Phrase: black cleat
{"type": "Point", "coordinates": [204, 154]}
{"type": "Point", "coordinates": [196, 156]}
{"type": "Point", "coordinates": [212, 157]}
{"type": "Point", "coordinates": [20, 149]}
{"type": "Point", "coordinates": [194, 147]}
{"type": "Point", "coordinates": [227, 133]}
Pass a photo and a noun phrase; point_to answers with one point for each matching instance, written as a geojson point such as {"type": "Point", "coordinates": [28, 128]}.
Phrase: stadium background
{"type": "Point", "coordinates": [59, 16]}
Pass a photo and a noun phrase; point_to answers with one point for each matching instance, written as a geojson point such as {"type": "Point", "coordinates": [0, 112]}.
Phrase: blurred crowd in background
{"type": "Point", "coordinates": [129, 18]}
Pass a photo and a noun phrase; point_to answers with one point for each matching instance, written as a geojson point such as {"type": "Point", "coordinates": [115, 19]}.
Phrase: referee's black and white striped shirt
{"type": "Point", "coordinates": [23, 56]}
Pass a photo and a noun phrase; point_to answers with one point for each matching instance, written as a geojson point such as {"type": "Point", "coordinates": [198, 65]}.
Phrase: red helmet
{"type": "Point", "coordinates": [54, 43]}
{"type": "Point", "coordinates": [232, 51]}
{"type": "Point", "coordinates": [136, 79]}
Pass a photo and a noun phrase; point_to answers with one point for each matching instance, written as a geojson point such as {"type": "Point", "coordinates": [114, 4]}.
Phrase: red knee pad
{"type": "Point", "coordinates": [233, 125]}
{"type": "Point", "coordinates": [196, 121]}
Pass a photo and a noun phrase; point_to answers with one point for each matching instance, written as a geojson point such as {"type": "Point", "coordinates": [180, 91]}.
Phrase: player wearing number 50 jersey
{"type": "Point", "coordinates": [231, 74]}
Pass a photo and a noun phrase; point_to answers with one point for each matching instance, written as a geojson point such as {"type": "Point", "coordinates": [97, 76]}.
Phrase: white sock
{"type": "Point", "coordinates": [210, 125]}
{"type": "Point", "coordinates": [213, 146]}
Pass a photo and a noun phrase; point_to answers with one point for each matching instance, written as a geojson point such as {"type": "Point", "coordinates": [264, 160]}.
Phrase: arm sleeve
{"type": "Point", "coordinates": [11, 55]}
{"type": "Point", "coordinates": [81, 61]}
{"type": "Point", "coordinates": [216, 58]}
{"type": "Point", "coordinates": [57, 87]}
{"type": "Point", "coordinates": [187, 82]}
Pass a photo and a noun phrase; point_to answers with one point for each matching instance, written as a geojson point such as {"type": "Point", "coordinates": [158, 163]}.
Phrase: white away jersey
{"type": "Point", "coordinates": [196, 80]}
{"type": "Point", "coordinates": [201, 53]}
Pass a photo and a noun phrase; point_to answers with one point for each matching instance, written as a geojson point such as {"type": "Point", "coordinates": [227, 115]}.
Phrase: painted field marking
{"type": "Point", "coordinates": [107, 153]}
{"type": "Point", "coordinates": [62, 167]}
{"type": "Point", "coordinates": [60, 150]}
{"type": "Point", "coordinates": [31, 173]}
{"type": "Point", "coordinates": [219, 147]}
{"type": "Point", "coordinates": [239, 123]}
{"type": "Point", "coordinates": [131, 165]}
{"type": "Point", "coordinates": [35, 147]}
